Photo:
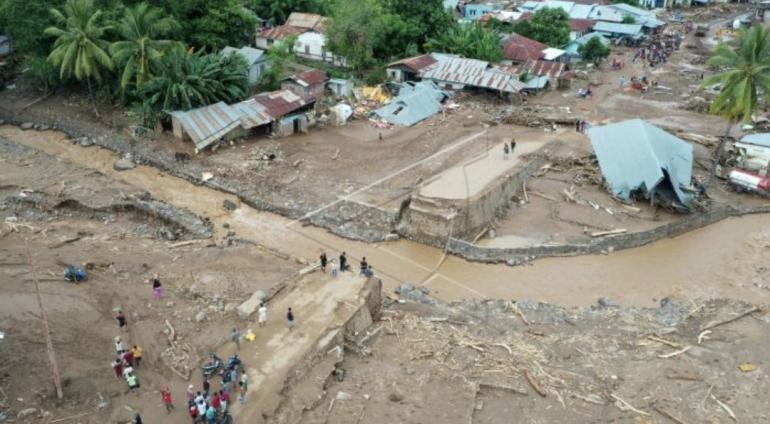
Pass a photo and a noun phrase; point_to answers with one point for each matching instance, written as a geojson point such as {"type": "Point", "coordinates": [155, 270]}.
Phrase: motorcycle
{"type": "Point", "coordinates": [211, 367]}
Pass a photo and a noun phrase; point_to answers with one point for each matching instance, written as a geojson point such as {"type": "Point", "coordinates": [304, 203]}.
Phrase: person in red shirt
{"type": "Point", "coordinates": [128, 358]}
{"type": "Point", "coordinates": [117, 366]}
{"type": "Point", "coordinates": [216, 402]}
{"type": "Point", "coordinates": [194, 413]}
{"type": "Point", "coordinates": [165, 394]}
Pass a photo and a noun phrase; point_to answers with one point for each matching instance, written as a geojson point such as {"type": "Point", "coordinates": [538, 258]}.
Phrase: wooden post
{"type": "Point", "coordinates": [46, 329]}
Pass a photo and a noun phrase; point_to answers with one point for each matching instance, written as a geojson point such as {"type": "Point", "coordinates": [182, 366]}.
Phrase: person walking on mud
{"type": "Point", "coordinates": [236, 338]}
{"type": "Point", "coordinates": [121, 319]}
{"type": "Point", "coordinates": [117, 366]}
{"type": "Point", "coordinates": [324, 261]}
{"type": "Point", "coordinates": [343, 262]}
{"type": "Point", "coordinates": [165, 396]}
{"type": "Point", "coordinates": [513, 144]}
{"type": "Point", "coordinates": [505, 151]}
{"type": "Point", "coordinates": [290, 319]}
{"type": "Point", "coordinates": [262, 315]}
{"type": "Point", "coordinates": [157, 287]}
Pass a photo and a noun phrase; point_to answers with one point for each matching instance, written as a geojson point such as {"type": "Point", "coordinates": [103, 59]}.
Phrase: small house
{"type": "Point", "coordinates": [579, 28]}
{"type": "Point", "coordinates": [520, 49]}
{"type": "Point", "coordinates": [311, 43]}
{"type": "Point", "coordinates": [340, 87]}
{"type": "Point", "coordinates": [270, 36]}
{"type": "Point", "coordinates": [572, 49]}
{"type": "Point", "coordinates": [256, 59]}
{"type": "Point", "coordinates": [409, 69]}
{"type": "Point", "coordinates": [309, 85]}
{"type": "Point", "coordinates": [290, 113]}
{"type": "Point", "coordinates": [474, 11]}
{"type": "Point", "coordinates": [456, 73]}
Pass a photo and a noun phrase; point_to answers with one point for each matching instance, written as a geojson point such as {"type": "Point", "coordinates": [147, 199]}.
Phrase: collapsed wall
{"type": "Point", "coordinates": [434, 220]}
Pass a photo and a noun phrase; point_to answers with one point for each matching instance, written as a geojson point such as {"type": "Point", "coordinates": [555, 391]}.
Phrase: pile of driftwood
{"type": "Point", "coordinates": [177, 357]}
{"type": "Point", "coordinates": [539, 117]}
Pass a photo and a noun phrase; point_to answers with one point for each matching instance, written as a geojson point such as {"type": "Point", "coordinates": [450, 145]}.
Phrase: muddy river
{"type": "Point", "coordinates": [723, 259]}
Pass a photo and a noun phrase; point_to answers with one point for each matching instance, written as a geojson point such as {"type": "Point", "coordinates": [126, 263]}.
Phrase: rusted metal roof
{"type": "Point", "coordinates": [580, 25]}
{"type": "Point", "coordinates": [308, 78]}
{"type": "Point", "coordinates": [252, 114]}
{"type": "Point", "coordinates": [474, 73]}
{"type": "Point", "coordinates": [208, 124]}
{"type": "Point", "coordinates": [309, 21]}
{"type": "Point", "coordinates": [280, 32]}
{"type": "Point", "coordinates": [416, 63]}
{"type": "Point", "coordinates": [521, 49]}
{"type": "Point", "coordinates": [280, 103]}
{"type": "Point", "coordinates": [540, 68]}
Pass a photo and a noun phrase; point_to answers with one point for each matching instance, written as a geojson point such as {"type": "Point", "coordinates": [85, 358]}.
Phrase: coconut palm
{"type": "Point", "coordinates": [184, 81]}
{"type": "Point", "coordinates": [139, 50]}
{"type": "Point", "coordinates": [744, 79]}
{"type": "Point", "coordinates": [79, 48]}
{"type": "Point", "coordinates": [469, 40]}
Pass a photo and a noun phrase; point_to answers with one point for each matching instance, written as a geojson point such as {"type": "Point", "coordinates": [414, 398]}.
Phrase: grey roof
{"type": "Point", "coordinates": [471, 72]}
{"type": "Point", "coordinates": [622, 29]}
{"type": "Point", "coordinates": [208, 124]}
{"type": "Point", "coordinates": [251, 54]}
{"type": "Point", "coordinates": [759, 139]}
{"type": "Point", "coordinates": [415, 102]}
{"type": "Point", "coordinates": [537, 83]}
{"type": "Point", "coordinates": [635, 154]}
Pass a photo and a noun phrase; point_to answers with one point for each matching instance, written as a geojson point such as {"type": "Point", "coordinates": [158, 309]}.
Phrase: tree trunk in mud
{"type": "Point", "coordinates": [91, 96]}
{"type": "Point", "coordinates": [720, 152]}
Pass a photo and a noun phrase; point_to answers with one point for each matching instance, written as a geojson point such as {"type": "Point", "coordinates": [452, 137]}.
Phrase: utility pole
{"type": "Point", "coordinates": [46, 329]}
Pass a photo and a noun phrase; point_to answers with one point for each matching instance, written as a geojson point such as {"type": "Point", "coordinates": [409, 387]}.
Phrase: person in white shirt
{"type": "Point", "coordinates": [262, 312]}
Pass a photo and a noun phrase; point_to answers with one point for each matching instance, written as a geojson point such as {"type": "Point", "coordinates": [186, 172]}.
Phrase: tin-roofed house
{"type": "Point", "coordinates": [311, 43]}
{"type": "Point", "coordinates": [638, 158]}
{"type": "Point", "coordinates": [290, 113]}
{"type": "Point", "coordinates": [255, 58]}
{"type": "Point", "coordinates": [309, 85]}
{"type": "Point", "coordinates": [409, 69]}
{"type": "Point", "coordinates": [456, 73]}
{"type": "Point", "coordinates": [220, 121]}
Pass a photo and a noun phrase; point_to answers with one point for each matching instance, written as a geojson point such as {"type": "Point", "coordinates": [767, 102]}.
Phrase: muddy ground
{"type": "Point", "coordinates": [501, 362]}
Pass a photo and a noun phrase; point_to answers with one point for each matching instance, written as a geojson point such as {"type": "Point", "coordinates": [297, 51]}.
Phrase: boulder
{"type": "Point", "coordinates": [201, 316]}
{"type": "Point", "coordinates": [24, 413]}
{"type": "Point", "coordinates": [27, 126]}
{"type": "Point", "coordinates": [124, 164]}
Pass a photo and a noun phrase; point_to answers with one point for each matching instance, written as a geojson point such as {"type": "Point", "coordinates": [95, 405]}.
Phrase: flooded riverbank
{"type": "Point", "coordinates": [719, 260]}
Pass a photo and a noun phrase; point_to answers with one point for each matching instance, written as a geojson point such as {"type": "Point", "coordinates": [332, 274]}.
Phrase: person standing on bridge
{"type": "Point", "coordinates": [290, 319]}
{"type": "Point", "coordinates": [505, 151]}
{"type": "Point", "coordinates": [365, 265]}
{"type": "Point", "coordinates": [324, 261]}
{"type": "Point", "coordinates": [513, 144]}
{"type": "Point", "coordinates": [343, 262]}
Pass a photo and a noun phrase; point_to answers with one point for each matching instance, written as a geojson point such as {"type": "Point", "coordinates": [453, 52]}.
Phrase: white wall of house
{"type": "Point", "coordinates": [311, 45]}
{"type": "Point", "coordinates": [256, 70]}
{"type": "Point", "coordinates": [264, 43]}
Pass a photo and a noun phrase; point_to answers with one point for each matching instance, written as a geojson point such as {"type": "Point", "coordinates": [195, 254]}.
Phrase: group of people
{"type": "Point", "coordinates": [581, 126]}
{"type": "Point", "coordinates": [210, 406]}
{"type": "Point", "coordinates": [366, 270]}
{"type": "Point", "coordinates": [126, 361]}
{"type": "Point", "coordinates": [508, 150]}
{"type": "Point", "coordinates": [659, 50]}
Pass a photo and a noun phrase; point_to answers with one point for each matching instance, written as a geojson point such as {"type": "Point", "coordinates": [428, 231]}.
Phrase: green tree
{"type": "Point", "coordinates": [276, 11]}
{"type": "Point", "coordinates": [628, 19]}
{"type": "Point", "coordinates": [139, 48]}
{"type": "Point", "coordinates": [279, 56]}
{"type": "Point", "coordinates": [79, 48]}
{"type": "Point", "coordinates": [744, 80]}
{"type": "Point", "coordinates": [210, 24]}
{"type": "Point", "coordinates": [470, 40]}
{"type": "Point", "coordinates": [594, 50]}
{"type": "Point", "coordinates": [25, 22]}
{"type": "Point", "coordinates": [356, 29]}
{"type": "Point", "coordinates": [421, 19]}
{"type": "Point", "coordinates": [548, 25]}
{"type": "Point", "coordinates": [184, 81]}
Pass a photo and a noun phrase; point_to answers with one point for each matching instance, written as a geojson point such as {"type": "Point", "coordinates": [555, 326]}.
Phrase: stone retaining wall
{"type": "Point", "coordinates": [519, 255]}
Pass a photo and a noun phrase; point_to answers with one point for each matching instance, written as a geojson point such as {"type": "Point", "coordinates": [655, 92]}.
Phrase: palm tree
{"type": "Point", "coordinates": [469, 40]}
{"type": "Point", "coordinates": [79, 48]}
{"type": "Point", "coordinates": [744, 79]}
{"type": "Point", "coordinates": [185, 81]}
{"type": "Point", "coordinates": [138, 51]}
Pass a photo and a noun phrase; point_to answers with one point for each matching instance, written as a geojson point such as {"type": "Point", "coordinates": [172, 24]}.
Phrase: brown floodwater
{"type": "Point", "coordinates": [721, 260]}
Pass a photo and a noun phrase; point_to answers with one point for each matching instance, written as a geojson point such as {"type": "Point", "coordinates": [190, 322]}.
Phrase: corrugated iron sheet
{"type": "Point", "coordinates": [279, 103]}
{"type": "Point", "coordinates": [305, 20]}
{"type": "Point", "coordinates": [472, 72]}
{"type": "Point", "coordinates": [414, 103]}
{"type": "Point", "coordinates": [252, 114]}
{"type": "Point", "coordinates": [209, 123]}
{"type": "Point", "coordinates": [622, 29]}
{"type": "Point", "coordinates": [634, 154]}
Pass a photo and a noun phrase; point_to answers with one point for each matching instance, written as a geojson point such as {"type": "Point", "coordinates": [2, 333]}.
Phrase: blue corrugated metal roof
{"type": "Point", "coordinates": [634, 154]}
{"type": "Point", "coordinates": [759, 139]}
{"type": "Point", "coordinates": [414, 103]}
{"type": "Point", "coordinates": [622, 29]}
{"type": "Point", "coordinates": [208, 124]}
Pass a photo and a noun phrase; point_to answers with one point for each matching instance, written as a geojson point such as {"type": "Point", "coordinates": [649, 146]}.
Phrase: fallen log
{"type": "Point", "coordinates": [713, 324]}
{"type": "Point", "coordinates": [534, 383]}
{"type": "Point", "coordinates": [504, 387]}
{"type": "Point", "coordinates": [608, 233]}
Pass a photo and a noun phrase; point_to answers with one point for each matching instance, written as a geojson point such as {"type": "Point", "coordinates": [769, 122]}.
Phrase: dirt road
{"type": "Point", "coordinates": [696, 263]}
